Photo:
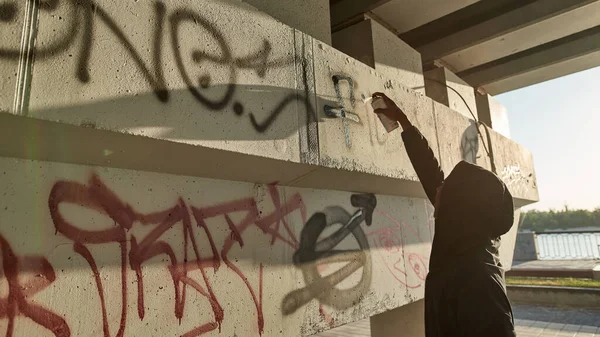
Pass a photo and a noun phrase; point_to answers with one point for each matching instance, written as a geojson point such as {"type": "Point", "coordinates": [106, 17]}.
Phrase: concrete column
{"type": "Point", "coordinates": [376, 46]}
{"type": "Point", "coordinates": [310, 17]}
{"type": "Point", "coordinates": [408, 320]}
{"type": "Point", "coordinates": [445, 87]}
{"type": "Point", "coordinates": [492, 113]}
{"type": "Point", "coordinates": [526, 247]}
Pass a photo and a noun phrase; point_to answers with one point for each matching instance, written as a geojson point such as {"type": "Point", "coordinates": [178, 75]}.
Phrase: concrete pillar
{"type": "Point", "coordinates": [526, 248]}
{"type": "Point", "coordinates": [445, 87]}
{"type": "Point", "coordinates": [408, 320]}
{"type": "Point", "coordinates": [492, 113]}
{"type": "Point", "coordinates": [376, 46]}
{"type": "Point", "coordinates": [596, 273]}
{"type": "Point", "coordinates": [310, 17]}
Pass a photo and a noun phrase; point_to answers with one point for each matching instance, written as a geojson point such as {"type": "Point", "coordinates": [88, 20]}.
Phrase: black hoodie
{"type": "Point", "coordinates": [465, 293]}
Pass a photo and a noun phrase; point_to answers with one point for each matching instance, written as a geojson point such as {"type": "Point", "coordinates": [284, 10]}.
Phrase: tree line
{"type": "Point", "coordinates": [537, 221]}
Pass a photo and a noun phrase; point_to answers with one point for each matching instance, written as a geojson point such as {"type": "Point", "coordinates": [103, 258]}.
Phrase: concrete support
{"type": "Point", "coordinates": [175, 168]}
{"type": "Point", "coordinates": [376, 46]}
{"type": "Point", "coordinates": [561, 50]}
{"type": "Point", "coordinates": [445, 87]}
{"type": "Point", "coordinates": [492, 23]}
{"type": "Point", "coordinates": [311, 17]}
{"type": "Point", "coordinates": [408, 320]}
{"type": "Point", "coordinates": [526, 248]}
{"type": "Point", "coordinates": [492, 113]}
{"type": "Point", "coordinates": [344, 10]}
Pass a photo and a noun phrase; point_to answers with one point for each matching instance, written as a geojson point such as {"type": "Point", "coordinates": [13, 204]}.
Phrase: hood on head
{"type": "Point", "coordinates": [474, 203]}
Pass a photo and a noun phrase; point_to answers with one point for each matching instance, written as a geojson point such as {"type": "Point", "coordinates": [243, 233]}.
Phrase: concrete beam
{"type": "Point", "coordinates": [539, 75]}
{"type": "Point", "coordinates": [345, 10]}
{"type": "Point", "coordinates": [482, 22]}
{"type": "Point", "coordinates": [557, 27]}
{"type": "Point", "coordinates": [554, 52]}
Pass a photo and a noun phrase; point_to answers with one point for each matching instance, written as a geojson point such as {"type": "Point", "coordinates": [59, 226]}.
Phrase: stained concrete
{"type": "Point", "coordinates": [11, 22]}
{"type": "Point", "coordinates": [47, 207]}
{"type": "Point", "coordinates": [247, 108]}
{"type": "Point", "coordinates": [446, 88]}
{"type": "Point", "coordinates": [361, 143]}
{"type": "Point", "coordinates": [492, 113]}
{"type": "Point", "coordinates": [218, 111]}
{"type": "Point", "coordinates": [376, 46]}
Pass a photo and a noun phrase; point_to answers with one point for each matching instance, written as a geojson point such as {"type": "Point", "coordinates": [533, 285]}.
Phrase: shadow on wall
{"type": "Point", "coordinates": [252, 113]}
{"type": "Point", "coordinates": [97, 230]}
{"type": "Point", "coordinates": [213, 100]}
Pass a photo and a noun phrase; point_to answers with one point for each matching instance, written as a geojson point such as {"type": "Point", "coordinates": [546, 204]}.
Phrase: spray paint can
{"type": "Point", "coordinates": [388, 124]}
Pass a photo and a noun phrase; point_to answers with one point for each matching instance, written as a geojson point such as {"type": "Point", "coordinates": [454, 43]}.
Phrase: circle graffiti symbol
{"type": "Point", "coordinates": [308, 258]}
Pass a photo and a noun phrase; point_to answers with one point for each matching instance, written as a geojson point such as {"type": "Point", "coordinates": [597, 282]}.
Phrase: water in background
{"type": "Point", "coordinates": [565, 246]}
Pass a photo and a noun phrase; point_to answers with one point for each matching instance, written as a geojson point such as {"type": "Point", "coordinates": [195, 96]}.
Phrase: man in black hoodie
{"type": "Point", "coordinates": [465, 293]}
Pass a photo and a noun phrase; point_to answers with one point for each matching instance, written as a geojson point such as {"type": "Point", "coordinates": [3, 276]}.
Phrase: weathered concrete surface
{"type": "Point", "coordinates": [11, 21]}
{"type": "Point", "coordinates": [177, 71]}
{"type": "Point", "coordinates": [446, 88]}
{"type": "Point", "coordinates": [374, 45]}
{"type": "Point", "coordinates": [196, 79]}
{"type": "Point", "coordinates": [394, 56]}
{"type": "Point", "coordinates": [216, 91]}
{"type": "Point", "coordinates": [68, 226]}
{"type": "Point", "coordinates": [404, 15]}
{"type": "Point", "coordinates": [514, 165]}
{"type": "Point", "coordinates": [492, 113]}
{"type": "Point", "coordinates": [459, 138]}
{"type": "Point", "coordinates": [526, 248]}
{"type": "Point", "coordinates": [311, 17]}
{"type": "Point", "coordinates": [409, 319]}
{"type": "Point", "coordinates": [359, 142]}
{"type": "Point", "coordinates": [507, 246]}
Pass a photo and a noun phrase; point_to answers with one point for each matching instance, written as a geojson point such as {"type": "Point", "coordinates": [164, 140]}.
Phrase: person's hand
{"type": "Point", "coordinates": [391, 110]}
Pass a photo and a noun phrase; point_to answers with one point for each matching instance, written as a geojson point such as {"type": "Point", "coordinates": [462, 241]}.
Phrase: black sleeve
{"type": "Point", "coordinates": [484, 309]}
{"type": "Point", "coordinates": [423, 160]}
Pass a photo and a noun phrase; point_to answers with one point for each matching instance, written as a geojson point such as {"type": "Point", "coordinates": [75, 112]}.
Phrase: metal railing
{"type": "Point", "coordinates": [568, 245]}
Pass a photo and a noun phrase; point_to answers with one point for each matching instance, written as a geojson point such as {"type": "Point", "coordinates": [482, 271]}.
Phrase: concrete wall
{"type": "Point", "coordinates": [376, 46]}
{"type": "Point", "coordinates": [158, 254]}
{"type": "Point", "coordinates": [150, 148]}
{"type": "Point", "coordinates": [445, 87]}
{"type": "Point", "coordinates": [311, 17]}
{"type": "Point", "coordinates": [492, 113]}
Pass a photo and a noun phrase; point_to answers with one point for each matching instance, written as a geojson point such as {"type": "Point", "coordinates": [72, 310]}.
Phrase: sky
{"type": "Point", "coordinates": [559, 122]}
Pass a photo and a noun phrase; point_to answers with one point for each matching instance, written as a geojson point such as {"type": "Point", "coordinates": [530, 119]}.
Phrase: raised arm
{"type": "Point", "coordinates": [420, 153]}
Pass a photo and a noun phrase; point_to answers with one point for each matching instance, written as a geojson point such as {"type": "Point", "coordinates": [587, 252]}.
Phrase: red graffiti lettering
{"type": "Point", "coordinates": [17, 304]}
{"type": "Point", "coordinates": [97, 196]}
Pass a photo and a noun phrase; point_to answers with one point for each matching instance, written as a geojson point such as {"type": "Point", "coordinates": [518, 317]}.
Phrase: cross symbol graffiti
{"type": "Point", "coordinates": [341, 111]}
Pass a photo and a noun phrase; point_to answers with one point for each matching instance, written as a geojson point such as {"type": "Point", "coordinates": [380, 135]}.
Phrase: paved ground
{"type": "Point", "coordinates": [530, 321]}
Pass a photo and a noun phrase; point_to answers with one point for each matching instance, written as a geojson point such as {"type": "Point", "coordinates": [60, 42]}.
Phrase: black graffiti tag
{"type": "Point", "coordinates": [341, 111]}
{"type": "Point", "coordinates": [84, 15]}
{"type": "Point", "coordinates": [312, 252]}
